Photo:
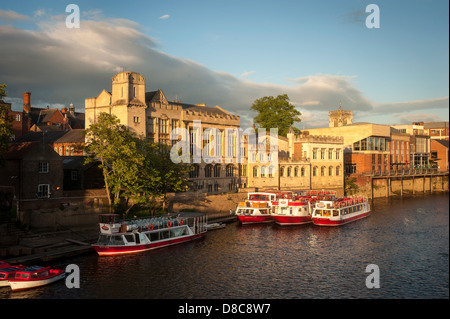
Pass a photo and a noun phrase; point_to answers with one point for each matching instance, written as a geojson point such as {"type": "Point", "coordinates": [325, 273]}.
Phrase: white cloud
{"type": "Point", "coordinates": [245, 74]}
{"type": "Point", "coordinates": [10, 16]}
{"type": "Point", "coordinates": [165, 16]}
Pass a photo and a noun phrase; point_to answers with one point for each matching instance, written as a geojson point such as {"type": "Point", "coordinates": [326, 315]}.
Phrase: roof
{"type": "Point", "coordinates": [442, 142]}
{"type": "Point", "coordinates": [435, 124]}
{"type": "Point", "coordinates": [48, 137]}
{"type": "Point", "coordinates": [72, 136]}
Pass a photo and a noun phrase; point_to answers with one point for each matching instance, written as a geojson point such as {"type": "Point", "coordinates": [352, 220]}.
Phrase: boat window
{"type": "Point", "coordinates": [104, 239]}
{"type": "Point", "coordinates": [165, 234]}
{"type": "Point", "coordinates": [290, 210]}
{"type": "Point", "coordinates": [117, 240]}
{"type": "Point", "coordinates": [11, 276]}
{"type": "Point", "coordinates": [2, 276]}
{"type": "Point", "coordinates": [129, 238]}
{"type": "Point", "coordinates": [138, 239]}
{"type": "Point", "coordinates": [335, 213]}
{"type": "Point", "coordinates": [24, 276]}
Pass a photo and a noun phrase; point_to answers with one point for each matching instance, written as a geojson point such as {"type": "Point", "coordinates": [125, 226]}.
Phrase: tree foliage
{"type": "Point", "coordinates": [135, 170]}
{"type": "Point", "coordinates": [5, 125]}
{"type": "Point", "coordinates": [276, 113]}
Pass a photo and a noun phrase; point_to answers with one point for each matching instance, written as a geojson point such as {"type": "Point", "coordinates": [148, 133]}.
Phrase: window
{"type": "Point", "coordinates": [330, 153]}
{"type": "Point", "coordinates": [315, 171]}
{"type": "Point", "coordinates": [302, 171]}
{"type": "Point", "coordinates": [74, 175]}
{"type": "Point", "coordinates": [289, 171]}
{"type": "Point", "coordinates": [230, 170]}
{"type": "Point", "coordinates": [296, 171]}
{"type": "Point", "coordinates": [136, 119]}
{"type": "Point", "coordinates": [217, 169]}
{"type": "Point", "coordinates": [163, 127]}
{"type": "Point", "coordinates": [315, 153]}
{"type": "Point", "coordinates": [195, 171]}
{"type": "Point", "coordinates": [330, 171]}
{"type": "Point", "coordinates": [208, 170]}
{"type": "Point", "coordinates": [322, 153]}
{"type": "Point", "coordinates": [338, 154]}
{"type": "Point", "coordinates": [43, 191]}
{"type": "Point", "coordinates": [255, 171]}
{"type": "Point", "coordinates": [17, 117]}
{"type": "Point", "coordinates": [338, 170]}
{"type": "Point", "coordinates": [43, 167]}
{"type": "Point", "coordinates": [322, 171]}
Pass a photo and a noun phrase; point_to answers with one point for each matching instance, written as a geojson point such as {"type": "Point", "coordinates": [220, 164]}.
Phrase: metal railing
{"type": "Point", "coordinates": [406, 172]}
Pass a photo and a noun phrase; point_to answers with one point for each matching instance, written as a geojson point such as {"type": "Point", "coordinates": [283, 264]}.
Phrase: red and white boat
{"type": "Point", "coordinates": [340, 211]}
{"type": "Point", "coordinates": [4, 264]}
{"type": "Point", "coordinates": [127, 237]}
{"type": "Point", "coordinates": [257, 208]}
{"type": "Point", "coordinates": [298, 210]}
{"type": "Point", "coordinates": [35, 276]}
{"type": "Point", "coordinates": [291, 212]}
{"type": "Point", "coordinates": [8, 272]}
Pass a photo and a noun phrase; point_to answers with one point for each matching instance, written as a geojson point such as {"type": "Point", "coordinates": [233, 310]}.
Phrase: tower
{"type": "Point", "coordinates": [340, 117]}
{"type": "Point", "coordinates": [128, 88]}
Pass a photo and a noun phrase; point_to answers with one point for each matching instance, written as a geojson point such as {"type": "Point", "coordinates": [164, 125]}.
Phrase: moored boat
{"type": "Point", "coordinates": [35, 276]}
{"type": "Point", "coordinates": [286, 212]}
{"type": "Point", "coordinates": [7, 273]}
{"type": "Point", "coordinates": [127, 237]}
{"type": "Point", "coordinates": [341, 211]}
{"type": "Point", "coordinates": [254, 212]}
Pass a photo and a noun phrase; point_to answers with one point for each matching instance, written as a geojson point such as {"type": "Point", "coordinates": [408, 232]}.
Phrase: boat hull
{"type": "Point", "coordinates": [327, 221]}
{"type": "Point", "coordinates": [29, 284]}
{"type": "Point", "coordinates": [291, 220]}
{"type": "Point", "coordinates": [132, 249]}
{"type": "Point", "coordinates": [255, 219]}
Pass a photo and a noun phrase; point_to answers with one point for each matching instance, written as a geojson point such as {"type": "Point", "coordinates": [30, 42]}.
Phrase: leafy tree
{"type": "Point", "coordinates": [276, 113]}
{"type": "Point", "coordinates": [135, 170]}
{"type": "Point", "coordinates": [116, 147]}
{"type": "Point", "coordinates": [5, 125]}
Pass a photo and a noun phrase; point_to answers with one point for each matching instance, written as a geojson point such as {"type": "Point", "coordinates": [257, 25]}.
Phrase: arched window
{"type": "Point", "coordinates": [281, 171]}
{"type": "Point", "coordinates": [302, 171]}
{"type": "Point", "coordinates": [255, 171]}
{"type": "Point", "coordinates": [330, 171]}
{"type": "Point", "coordinates": [315, 171]}
{"type": "Point", "coordinates": [296, 171]}
{"type": "Point", "coordinates": [338, 170]}
{"type": "Point", "coordinates": [322, 171]}
{"type": "Point", "coordinates": [289, 171]}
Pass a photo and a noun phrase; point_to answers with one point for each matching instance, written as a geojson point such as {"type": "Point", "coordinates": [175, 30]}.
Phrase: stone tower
{"type": "Point", "coordinates": [340, 117]}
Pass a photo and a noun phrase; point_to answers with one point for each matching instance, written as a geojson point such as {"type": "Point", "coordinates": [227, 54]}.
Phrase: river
{"type": "Point", "coordinates": [406, 238]}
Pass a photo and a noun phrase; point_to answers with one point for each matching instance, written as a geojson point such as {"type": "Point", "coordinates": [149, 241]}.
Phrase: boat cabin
{"type": "Point", "coordinates": [32, 273]}
{"type": "Point", "coordinates": [8, 272]}
{"type": "Point", "coordinates": [265, 197]}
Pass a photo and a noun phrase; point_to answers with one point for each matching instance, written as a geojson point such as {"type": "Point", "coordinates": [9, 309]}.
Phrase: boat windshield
{"type": "Point", "coordinates": [105, 239]}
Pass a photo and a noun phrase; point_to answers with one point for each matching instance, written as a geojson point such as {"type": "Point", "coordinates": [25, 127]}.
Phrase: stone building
{"type": "Point", "coordinates": [304, 162]}
{"type": "Point", "coordinates": [340, 117]}
{"type": "Point", "coordinates": [152, 115]}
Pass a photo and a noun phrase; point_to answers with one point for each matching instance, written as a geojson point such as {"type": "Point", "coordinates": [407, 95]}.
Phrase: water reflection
{"type": "Point", "coordinates": [407, 238]}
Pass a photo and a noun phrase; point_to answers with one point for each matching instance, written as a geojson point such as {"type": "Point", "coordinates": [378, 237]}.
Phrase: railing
{"type": "Point", "coordinates": [406, 172]}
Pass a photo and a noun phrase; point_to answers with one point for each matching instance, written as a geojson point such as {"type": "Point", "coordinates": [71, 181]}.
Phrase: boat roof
{"type": "Point", "coordinates": [32, 269]}
{"type": "Point", "coordinates": [9, 269]}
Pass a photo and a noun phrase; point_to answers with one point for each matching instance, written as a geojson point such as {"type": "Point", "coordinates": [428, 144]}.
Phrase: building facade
{"type": "Point", "coordinates": [152, 115]}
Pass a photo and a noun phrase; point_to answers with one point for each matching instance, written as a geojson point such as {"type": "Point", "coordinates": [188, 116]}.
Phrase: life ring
{"type": "Point", "coordinates": [180, 222]}
{"type": "Point", "coordinates": [169, 223]}
{"type": "Point", "coordinates": [150, 227]}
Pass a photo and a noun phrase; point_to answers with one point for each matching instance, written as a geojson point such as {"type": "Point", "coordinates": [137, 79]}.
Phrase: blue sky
{"type": "Point", "coordinates": [231, 52]}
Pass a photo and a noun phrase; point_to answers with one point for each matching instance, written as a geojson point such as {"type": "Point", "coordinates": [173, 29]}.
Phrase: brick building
{"type": "Point", "coordinates": [439, 154]}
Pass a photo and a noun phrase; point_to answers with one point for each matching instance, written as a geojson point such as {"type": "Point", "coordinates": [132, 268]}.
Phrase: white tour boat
{"type": "Point", "coordinates": [127, 237]}
{"type": "Point", "coordinates": [340, 211]}
{"type": "Point", "coordinates": [258, 207]}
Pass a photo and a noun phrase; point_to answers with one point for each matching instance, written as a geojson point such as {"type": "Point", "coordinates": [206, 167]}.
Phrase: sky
{"type": "Point", "coordinates": [230, 53]}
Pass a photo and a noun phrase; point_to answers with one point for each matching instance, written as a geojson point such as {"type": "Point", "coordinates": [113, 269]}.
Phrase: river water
{"type": "Point", "coordinates": [407, 238]}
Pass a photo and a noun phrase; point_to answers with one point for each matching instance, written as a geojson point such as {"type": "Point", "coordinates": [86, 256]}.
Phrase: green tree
{"type": "Point", "coordinates": [5, 126]}
{"type": "Point", "coordinates": [135, 170]}
{"type": "Point", "coordinates": [276, 113]}
{"type": "Point", "coordinates": [116, 147]}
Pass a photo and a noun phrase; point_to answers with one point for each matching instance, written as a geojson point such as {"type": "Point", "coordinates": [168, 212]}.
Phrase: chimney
{"type": "Point", "coordinates": [26, 102]}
